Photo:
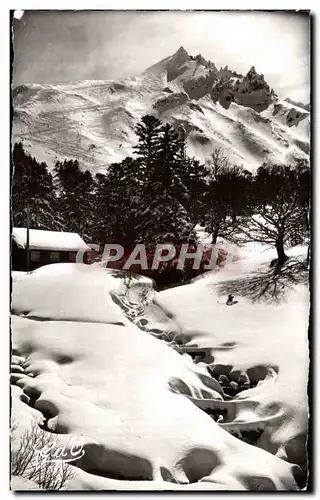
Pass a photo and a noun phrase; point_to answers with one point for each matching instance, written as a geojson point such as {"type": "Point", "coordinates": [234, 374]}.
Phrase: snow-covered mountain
{"type": "Point", "coordinates": [94, 121]}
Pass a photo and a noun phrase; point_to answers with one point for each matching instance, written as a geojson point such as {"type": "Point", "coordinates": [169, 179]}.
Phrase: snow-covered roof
{"type": "Point", "coordinates": [48, 240]}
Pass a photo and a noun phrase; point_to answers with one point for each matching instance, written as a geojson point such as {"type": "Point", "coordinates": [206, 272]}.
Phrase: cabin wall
{"type": "Point", "coordinates": [19, 258]}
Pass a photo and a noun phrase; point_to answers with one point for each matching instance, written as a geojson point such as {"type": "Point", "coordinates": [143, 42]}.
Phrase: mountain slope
{"type": "Point", "coordinates": [94, 121]}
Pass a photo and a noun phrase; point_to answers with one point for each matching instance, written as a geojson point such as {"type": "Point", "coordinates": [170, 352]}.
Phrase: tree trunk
{"type": "Point", "coordinates": [234, 216]}
{"type": "Point", "coordinates": [282, 257]}
{"type": "Point", "coordinates": [214, 236]}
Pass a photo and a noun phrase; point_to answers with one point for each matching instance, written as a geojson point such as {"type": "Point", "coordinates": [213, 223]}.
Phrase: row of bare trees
{"type": "Point", "coordinates": [269, 207]}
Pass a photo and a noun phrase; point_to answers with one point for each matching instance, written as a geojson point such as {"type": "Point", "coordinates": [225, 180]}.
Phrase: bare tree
{"type": "Point", "coordinates": [281, 198]}
{"type": "Point", "coordinates": [226, 195]}
{"type": "Point", "coordinates": [218, 163]}
{"type": "Point", "coordinates": [24, 462]}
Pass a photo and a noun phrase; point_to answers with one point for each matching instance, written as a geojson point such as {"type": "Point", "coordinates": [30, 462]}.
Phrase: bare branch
{"type": "Point", "coordinates": [48, 475]}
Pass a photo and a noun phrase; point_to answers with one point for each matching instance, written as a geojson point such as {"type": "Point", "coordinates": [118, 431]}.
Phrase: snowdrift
{"type": "Point", "coordinates": [111, 363]}
{"type": "Point", "coordinates": [262, 341]}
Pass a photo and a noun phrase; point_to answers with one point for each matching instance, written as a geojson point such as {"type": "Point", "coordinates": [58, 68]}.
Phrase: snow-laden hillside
{"type": "Point", "coordinates": [113, 366]}
{"type": "Point", "coordinates": [94, 121]}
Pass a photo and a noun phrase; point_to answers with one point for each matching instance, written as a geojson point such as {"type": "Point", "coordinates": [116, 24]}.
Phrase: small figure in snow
{"type": "Point", "coordinates": [230, 300]}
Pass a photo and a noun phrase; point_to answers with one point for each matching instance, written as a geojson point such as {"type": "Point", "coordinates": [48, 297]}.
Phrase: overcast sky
{"type": "Point", "coordinates": [60, 46]}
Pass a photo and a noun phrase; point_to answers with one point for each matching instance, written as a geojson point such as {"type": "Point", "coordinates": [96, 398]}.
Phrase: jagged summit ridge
{"type": "Point", "coordinates": [198, 77]}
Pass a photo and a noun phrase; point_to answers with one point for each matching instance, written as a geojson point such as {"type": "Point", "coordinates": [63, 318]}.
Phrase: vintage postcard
{"type": "Point", "coordinates": [160, 250]}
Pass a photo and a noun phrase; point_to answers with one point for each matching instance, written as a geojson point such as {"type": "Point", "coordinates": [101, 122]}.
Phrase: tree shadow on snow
{"type": "Point", "coordinates": [269, 285]}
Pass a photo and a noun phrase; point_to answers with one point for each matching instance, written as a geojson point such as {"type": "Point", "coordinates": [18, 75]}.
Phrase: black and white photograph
{"type": "Point", "coordinates": [160, 247]}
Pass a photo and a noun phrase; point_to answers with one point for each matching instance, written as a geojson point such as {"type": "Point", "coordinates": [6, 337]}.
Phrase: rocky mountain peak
{"type": "Point", "coordinates": [182, 50]}
{"type": "Point", "coordinates": [181, 55]}
{"type": "Point", "coordinates": [299, 104]}
{"type": "Point", "coordinates": [252, 72]}
{"type": "Point", "coordinates": [201, 60]}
